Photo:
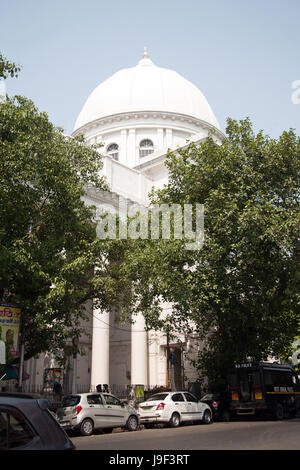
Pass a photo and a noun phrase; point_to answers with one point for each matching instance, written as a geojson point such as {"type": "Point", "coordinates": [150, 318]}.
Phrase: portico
{"type": "Point", "coordinates": [135, 352]}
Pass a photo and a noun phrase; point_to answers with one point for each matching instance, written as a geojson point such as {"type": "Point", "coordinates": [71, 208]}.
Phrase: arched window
{"type": "Point", "coordinates": [113, 151]}
{"type": "Point", "coordinates": [146, 147]}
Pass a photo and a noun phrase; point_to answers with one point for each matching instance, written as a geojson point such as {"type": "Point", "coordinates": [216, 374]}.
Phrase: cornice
{"type": "Point", "coordinates": [109, 197]}
{"type": "Point", "coordinates": [131, 116]}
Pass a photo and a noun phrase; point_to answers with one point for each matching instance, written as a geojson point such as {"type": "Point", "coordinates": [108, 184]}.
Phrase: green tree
{"type": "Point", "coordinates": [8, 69]}
{"type": "Point", "coordinates": [240, 292]}
{"type": "Point", "coordinates": [52, 263]}
{"type": "Point", "coordinates": [48, 243]}
{"type": "Point", "coordinates": [47, 239]}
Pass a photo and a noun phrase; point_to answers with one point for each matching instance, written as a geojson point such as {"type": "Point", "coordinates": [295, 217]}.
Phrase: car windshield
{"type": "Point", "coordinates": [158, 396]}
{"type": "Point", "coordinates": [71, 400]}
{"type": "Point", "coordinates": [210, 396]}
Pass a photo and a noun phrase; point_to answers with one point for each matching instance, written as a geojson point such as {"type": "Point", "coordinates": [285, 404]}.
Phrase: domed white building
{"type": "Point", "coordinates": [140, 112]}
{"type": "Point", "coordinates": [137, 114]}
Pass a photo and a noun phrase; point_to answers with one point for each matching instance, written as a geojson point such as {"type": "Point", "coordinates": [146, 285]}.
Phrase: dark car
{"type": "Point", "coordinates": [219, 404]}
{"type": "Point", "coordinates": [27, 424]}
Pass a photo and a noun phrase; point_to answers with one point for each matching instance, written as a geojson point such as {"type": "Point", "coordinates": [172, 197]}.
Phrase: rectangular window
{"type": "Point", "coordinates": [190, 397]}
{"type": "Point", "coordinates": [144, 153]}
{"type": "Point", "coordinates": [71, 400]}
{"type": "Point", "coordinates": [111, 400]}
{"type": "Point", "coordinates": [94, 400]}
{"type": "Point", "coordinates": [177, 397]}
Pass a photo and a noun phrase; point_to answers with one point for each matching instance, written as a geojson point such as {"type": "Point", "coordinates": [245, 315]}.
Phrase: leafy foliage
{"type": "Point", "coordinates": [8, 69]}
{"type": "Point", "coordinates": [47, 239]}
{"type": "Point", "coordinates": [240, 292]}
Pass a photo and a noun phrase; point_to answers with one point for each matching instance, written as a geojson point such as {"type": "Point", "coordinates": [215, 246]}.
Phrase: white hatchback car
{"type": "Point", "coordinates": [89, 411]}
{"type": "Point", "coordinates": [173, 408]}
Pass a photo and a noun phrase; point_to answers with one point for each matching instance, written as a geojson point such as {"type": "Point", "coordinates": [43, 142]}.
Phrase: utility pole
{"type": "Point", "coordinates": [75, 342]}
{"type": "Point", "coordinates": [168, 362]}
{"type": "Point", "coordinates": [172, 362]}
{"type": "Point", "coordinates": [21, 367]}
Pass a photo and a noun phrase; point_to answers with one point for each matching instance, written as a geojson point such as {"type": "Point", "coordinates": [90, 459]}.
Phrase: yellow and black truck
{"type": "Point", "coordinates": [264, 388]}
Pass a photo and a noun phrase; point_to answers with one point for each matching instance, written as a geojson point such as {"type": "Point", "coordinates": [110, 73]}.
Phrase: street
{"type": "Point", "coordinates": [238, 435]}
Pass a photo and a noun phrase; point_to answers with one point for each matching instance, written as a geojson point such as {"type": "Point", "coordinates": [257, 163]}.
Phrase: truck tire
{"type": "Point", "coordinates": [278, 412]}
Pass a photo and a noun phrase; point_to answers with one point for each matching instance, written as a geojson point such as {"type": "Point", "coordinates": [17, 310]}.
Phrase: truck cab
{"type": "Point", "coordinates": [264, 388]}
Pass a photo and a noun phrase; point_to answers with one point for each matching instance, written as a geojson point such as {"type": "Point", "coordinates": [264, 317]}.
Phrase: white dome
{"type": "Point", "coordinates": [145, 87]}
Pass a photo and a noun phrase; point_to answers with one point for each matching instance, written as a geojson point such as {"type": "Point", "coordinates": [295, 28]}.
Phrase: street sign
{"type": "Point", "coordinates": [10, 316]}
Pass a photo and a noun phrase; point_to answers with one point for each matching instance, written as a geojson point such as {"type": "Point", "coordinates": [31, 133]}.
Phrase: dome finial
{"type": "Point", "coordinates": [145, 59]}
{"type": "Point", "coordinates": [145, 53]}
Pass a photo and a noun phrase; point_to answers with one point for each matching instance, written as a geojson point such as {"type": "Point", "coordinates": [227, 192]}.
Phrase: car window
{"type": "Point", "coordinates": [177, 397]}
{"type": "Point", "coordinates": [158, 396]}
{"type": "Point", "coordinates": [111, 400]}
{"type": "Point", "coordinates": [94, 400]}
{"type": "Point", "coordinates": [71, 400]}
{"type": "Point", "coordinates": [190, 397]}
{"type": "Point", "coordinates": [15, 431]}
{"type": "Point", "coordinates": [208, 396]}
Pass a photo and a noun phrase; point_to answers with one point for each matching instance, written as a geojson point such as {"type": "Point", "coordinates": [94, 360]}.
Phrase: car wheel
{"type": "Point", "coordinates": [132, 423]}
{"type": "Point", "coordinates": [107, 430]}
{"type": "Point", "coordinates": [206, 419]}
{"type": "Point", "coordinates": [175, 420]}
{"type": "Point", "coordinates": [279, 412]}
{"type": "Point", "coordinates": [87, 427]}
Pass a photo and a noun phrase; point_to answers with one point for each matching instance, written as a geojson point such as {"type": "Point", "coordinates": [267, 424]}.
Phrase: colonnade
{"type": "Point", "coordinates": [101, 347]}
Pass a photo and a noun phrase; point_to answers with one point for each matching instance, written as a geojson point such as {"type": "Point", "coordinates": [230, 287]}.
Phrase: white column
{"type": "Point", "coordinates": [139, 352]}
{"type": "Point", "coordinates": [107, 169]}
{"type": "Point", "coordinates": [123, 149]}
{"type": "Point", "coordinates": [153, 359]}
{"type": "Point", "coordinates": [100, 349]}
{"type": "Point", "coordinates": [131, 152]}
{"type": "Point", "coordinates": [160, 138]}
{"type": "Point", "coordinates": [169, 138]}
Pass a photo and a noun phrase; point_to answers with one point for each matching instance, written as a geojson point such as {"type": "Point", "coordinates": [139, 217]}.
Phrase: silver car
{"type": "Point", "coordinates": [89, 411]}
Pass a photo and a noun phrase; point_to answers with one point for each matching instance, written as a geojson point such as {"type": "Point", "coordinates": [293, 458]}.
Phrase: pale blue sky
{"type": "Point", "coordinates": [243, 55]}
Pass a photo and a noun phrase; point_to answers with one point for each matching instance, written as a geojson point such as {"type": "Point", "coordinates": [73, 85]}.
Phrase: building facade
{"type": "Point", "coordinates": [137, 114]}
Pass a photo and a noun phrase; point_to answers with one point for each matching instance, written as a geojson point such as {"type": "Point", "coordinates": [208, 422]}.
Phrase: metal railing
{"type": "Point", "coordinates": [125, 393]}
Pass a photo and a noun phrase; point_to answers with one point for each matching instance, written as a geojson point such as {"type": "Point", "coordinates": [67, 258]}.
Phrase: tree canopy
{"type": "Point", "coordinates": [52, 263]}
{"type": "Point", "coordinates": [240, 291]}
{"type": "Point", "coordinates": [46, 233]}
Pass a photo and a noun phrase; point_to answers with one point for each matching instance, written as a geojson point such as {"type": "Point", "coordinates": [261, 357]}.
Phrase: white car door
{"type": "Point", "coordinates": [194, 407]}
{"type": "Point", "coordinates": [179, 404]}
{"type": "Point", "coordinates": [116, 413]}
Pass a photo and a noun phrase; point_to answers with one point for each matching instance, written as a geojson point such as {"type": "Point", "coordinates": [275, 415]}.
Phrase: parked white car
{"type": "Point", "coordinates": [89, 411]}
{"type": "Point", "coordinates": [173, 408]}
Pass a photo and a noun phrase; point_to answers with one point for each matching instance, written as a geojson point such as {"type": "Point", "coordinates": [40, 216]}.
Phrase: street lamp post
{"type": "Point", "coordinates": [21, 365]}
{"type": "Point", "coordinates": [172, 362]}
